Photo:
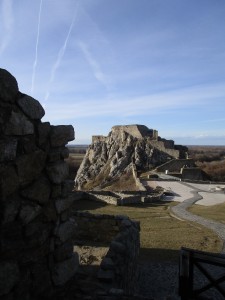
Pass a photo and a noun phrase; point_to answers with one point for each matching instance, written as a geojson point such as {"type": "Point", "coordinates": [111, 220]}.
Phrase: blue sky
{"type": "Point", "coordinates": [99, 63]}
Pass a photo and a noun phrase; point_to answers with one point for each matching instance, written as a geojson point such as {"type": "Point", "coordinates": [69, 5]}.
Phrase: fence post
{"type": "Point", "coordinates": [185, 275]}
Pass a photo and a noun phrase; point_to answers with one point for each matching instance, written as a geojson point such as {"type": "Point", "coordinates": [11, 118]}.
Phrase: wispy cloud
{"type": "Point", "coordinates": [94, 64]}
{"type": "Point", "coordinates": [61, 52]}
{"type": "Point", "coordinates": [158, 103]}
{"type": "Point", "coordinates": [8, 21]}
{"type": "Point", "coordinates": [36, 49]}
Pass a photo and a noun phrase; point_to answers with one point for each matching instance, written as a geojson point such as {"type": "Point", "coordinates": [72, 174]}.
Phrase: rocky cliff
{"type": "Point", "coordinates": [109, 158]}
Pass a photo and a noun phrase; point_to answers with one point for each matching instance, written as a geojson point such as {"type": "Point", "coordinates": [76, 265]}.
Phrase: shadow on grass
{"type": "Point", "coordinates": [85, 204]}
{"type": "Point", "coordinates": [158, 255]}
{"type": "Point", "coordinates": [152, 204]}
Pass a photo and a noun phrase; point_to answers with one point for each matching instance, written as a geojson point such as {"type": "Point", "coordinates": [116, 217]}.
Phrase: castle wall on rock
{"type": "Point", "coordinates": [98, 138]}
{"type": "Point", "coordinates": [35, 205]}
{"type": "Point", "coordinates": [118, 269]}
{"type": "Point", "coordinates": [137, 131]}
{"type": "Point", "coordinates": [141, 131]}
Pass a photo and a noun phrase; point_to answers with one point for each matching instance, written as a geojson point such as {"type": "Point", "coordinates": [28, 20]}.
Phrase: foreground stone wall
{"type": "Point", "coordinates": [36, 250]}
{"type": "Point", "coordinates": [118, 269]}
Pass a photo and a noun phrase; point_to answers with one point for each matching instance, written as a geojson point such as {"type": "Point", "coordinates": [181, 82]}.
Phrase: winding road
{"type": "Point", "coordinates": [189, 194]}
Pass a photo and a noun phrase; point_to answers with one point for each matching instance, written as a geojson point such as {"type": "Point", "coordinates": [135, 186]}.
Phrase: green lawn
{"type": "Point", "coordinates": [161, 235]}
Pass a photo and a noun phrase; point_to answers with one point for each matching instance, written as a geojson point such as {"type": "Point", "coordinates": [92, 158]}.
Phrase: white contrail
{"type": "Point", "coordinates": [36, 50]}
{"type": "Point", "coordinates": [7, 18]}
{"type": "Point", "coordinates": [61, 53]}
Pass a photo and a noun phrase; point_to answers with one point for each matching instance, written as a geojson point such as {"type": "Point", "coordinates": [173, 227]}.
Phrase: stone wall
{"type": "Point", "coordinates": [121, 198]}
{"type": "Point", "coordinates": [36, 250]}
{"type": "Point", "coordinates": [118, 269]}
{"type": "Point", "coordinates": [161, 146]}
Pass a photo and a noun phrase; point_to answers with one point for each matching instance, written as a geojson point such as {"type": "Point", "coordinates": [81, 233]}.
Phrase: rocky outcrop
{"type": "Point", "coordinates": [35, 222]}
{"type": "Point", "coordinates": [108, 158]}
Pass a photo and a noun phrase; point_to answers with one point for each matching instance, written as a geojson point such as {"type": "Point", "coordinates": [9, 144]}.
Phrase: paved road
{"type": "Point", "coordinates": [189, 194]}
{"type": "Point", "coordinates": [180, 211]}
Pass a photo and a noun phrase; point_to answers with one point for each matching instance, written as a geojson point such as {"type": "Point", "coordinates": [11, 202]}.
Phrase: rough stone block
{"type": "Point", "coordinates": [50, 212]}
{"type": "Point", "coordinates": [107, 264]}
{"type": "Point", "coordinates": [61, 135]}
{"type": "Point", "coordinates": [43, 133]}
{"type": "Point", "coordinates": [37, 233]}
{"type": "Point", "coordinates": [41, 280]}
{"type": "Point", "coordinates": [10, 208]}
{"type": "Point", "coordinates": [9, 180]}
{"type": "Point", "coordinates": [31, 107]}
{"type": "Point", "coordinates": [65, 153]}
{"type": "Point", "coordinates": [65, 270]}
{"type": "Point", "coordinates": [30, 166]}
{"type": "Point", "coordinates": [63, 204]}
{"type": "Point", "coordinates": [18, 124]}
{"type": "Point", "coordinates": [9, 276]}
{"type": "Point", "coordinates": [29, 212]}
{"type": "Point", "coordinates": [8, 86]}
{"type": "Point", "coordinates": [63, 252]}
{"type": "Point", "coordinates": [56, 191]}
{"type": "Point", "coordinates": [66, 230]}
{"type": "Point", "coordinates": [39, 191]}
{"type": "Point", "coordinates": [8, 149]}
{"type": "Point", "coordinates": [58, 172]}
{"type": "Point", "coordinates": [106, 275]}
{"type": "Point", "coordinates": [67, 187]}
{"type": "Point", "coordinates": [12, 241]}
{"type": "Point", "coordinates": [118, 247]}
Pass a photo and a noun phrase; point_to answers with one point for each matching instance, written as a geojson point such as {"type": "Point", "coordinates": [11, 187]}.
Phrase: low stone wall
{"type": "Point", "coordinates": [120, 198]}
{"type": "Point", "coordinates": [104, 196]}
{"type": "Point", "coordinates": [118, 269]}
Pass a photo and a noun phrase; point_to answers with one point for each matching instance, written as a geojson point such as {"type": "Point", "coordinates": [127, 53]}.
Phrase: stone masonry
{"type": "Point", "coordinates": [36, 252]}
{"type": "Point", "coordinates": [38, 225]}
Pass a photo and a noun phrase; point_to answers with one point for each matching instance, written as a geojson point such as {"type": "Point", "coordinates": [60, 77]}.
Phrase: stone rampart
{"type": "Point", "coordinates": [160, 145]}
{"type": "Point", "coordinates": [118, 269]}
{"type": "Point", "coordinates": [34, 199]}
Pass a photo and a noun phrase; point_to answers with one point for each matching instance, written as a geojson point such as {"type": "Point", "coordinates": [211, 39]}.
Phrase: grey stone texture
{"type": "Point", "coordinates": [31, 107]}
{"type": "Point", "coordinates": [8, 86]}
{"type": "Point", "coordinates": [18, 124]}
{"type": "Point", "coordinates": [33, 259]}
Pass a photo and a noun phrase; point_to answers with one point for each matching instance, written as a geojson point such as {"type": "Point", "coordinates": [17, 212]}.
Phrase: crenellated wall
{"type": "Point", "coordinates": [34, 199]}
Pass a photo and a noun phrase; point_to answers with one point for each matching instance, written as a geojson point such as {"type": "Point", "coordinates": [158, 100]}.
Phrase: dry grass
{"type": "Point", "coordinates": [161, 235]}
{"type": "Point", "coordinates": [215, 212]}
{"type": "Point", "coordinates": [211, 159]}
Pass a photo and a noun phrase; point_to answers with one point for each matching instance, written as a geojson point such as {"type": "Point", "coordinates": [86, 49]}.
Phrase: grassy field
{"type": "Point", "coordinates": [161, 235]}
{"type": "Point", "coordinates": [215, 212]}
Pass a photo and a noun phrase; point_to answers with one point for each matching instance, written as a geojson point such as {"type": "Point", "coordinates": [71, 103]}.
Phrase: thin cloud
{"type": "Point", "coordinates": [36, 49]}
{"type": "Point", "coordinates": [158, 103]}
{"type": "Point", "coordinates": [8, 21]}
{"type": "Point", "coordinates": [61, 53]}
{"type": "Point", "coordinates": [96, 68]}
